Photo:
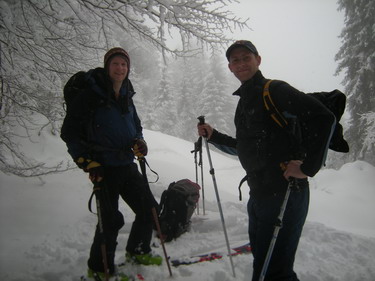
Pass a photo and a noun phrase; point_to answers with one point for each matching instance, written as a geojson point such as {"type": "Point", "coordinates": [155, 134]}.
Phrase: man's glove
{"type": "Point", "coordinates": [82, 163]}
{"type": "Point", "coordinates": [94, 168]}
{"type": "Point", "coordinates": [96, 171]}
{"type": "Point", "coordinates": [140, 148]}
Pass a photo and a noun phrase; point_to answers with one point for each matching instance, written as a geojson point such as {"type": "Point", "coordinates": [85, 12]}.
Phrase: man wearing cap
{"type": "Point", "coordinates": [103, 134]}
{"type": "Point", "coordinates": [271, 159]}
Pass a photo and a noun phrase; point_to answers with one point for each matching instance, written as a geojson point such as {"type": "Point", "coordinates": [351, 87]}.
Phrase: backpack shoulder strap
{"type": "Point", "coordinates": [271, 108]}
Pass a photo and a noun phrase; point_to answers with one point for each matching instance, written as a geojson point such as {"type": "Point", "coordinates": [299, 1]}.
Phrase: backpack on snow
{"type": "Point", "coordinates": [177, 205]}
{"type": "Point", "coordinates": [334, 101]}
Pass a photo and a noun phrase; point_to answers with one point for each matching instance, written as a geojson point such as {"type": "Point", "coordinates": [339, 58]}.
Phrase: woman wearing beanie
{"type": "Point", "coordinates": [104, 134]}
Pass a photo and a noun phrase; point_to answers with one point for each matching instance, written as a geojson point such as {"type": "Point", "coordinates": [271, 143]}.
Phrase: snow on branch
{"type": "Point", "coordinates": [206, 21]}
{"type": "Point", "coordinates": [43, 42]}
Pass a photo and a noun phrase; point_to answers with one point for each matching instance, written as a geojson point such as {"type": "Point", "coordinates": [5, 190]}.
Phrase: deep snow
{"type": "Point", "coordinates": [46, 228]}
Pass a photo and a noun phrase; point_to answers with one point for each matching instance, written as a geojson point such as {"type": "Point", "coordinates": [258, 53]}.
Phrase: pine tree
{"type": "Point", "coordinates": [357, 58]}
{"type": "Point", "coordinates": [162, 112]}
{"type": "Point", "coordinates": [190, 83]}
{"type": "Point", "coordinates": [217, 101]}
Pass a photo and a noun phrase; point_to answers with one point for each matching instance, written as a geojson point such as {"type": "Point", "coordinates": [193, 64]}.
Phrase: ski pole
{"type": "Point", "coordinates": [142, 162]}
{"type": "Point", "coordinates": [212, 172]}
{"type": "Point", "coordinates": [202, 180]}
{"type": "Point", "coordinates": [97, 191]}
{"type": "Point", "coordinates": [198, 148]}
{"type": "Point", "coordinates": [276, 231]}
{"type": "Point", "coordinates": [156, 219]}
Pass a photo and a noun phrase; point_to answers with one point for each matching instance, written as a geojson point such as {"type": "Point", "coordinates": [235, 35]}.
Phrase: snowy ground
{"type": "Point", "coordinates": [46, 228]}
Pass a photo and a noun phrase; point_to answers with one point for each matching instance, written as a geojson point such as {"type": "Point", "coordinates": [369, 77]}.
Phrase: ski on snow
{"type": "Point", "coordinates": [117, 277]}
{"type": "Point", "coordinates": [244, 249]}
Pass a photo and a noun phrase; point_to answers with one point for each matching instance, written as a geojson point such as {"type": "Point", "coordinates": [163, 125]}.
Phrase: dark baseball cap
{"type": "Point", "coordinates": [242, 43]}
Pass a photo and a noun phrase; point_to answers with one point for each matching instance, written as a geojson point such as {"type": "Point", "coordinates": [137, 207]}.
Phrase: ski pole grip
{"type": "Point", "coordinates": [201, 122]}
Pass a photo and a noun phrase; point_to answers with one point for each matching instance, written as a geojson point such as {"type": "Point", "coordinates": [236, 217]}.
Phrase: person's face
{"type": "Point", "coordinates": [243, 63]}
{"type": "Point", "coordinates": [118, 69]}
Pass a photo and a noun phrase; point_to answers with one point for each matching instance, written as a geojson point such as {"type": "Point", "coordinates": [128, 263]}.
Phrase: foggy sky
{"type": "Point", "coordinates": [297, 40]}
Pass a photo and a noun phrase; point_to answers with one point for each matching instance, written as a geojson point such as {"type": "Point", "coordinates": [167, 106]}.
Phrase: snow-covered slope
{"type": "Point", "coordinates": [46, 228]}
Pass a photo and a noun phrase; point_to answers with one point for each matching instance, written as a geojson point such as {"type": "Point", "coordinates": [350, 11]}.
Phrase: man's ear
{"type": "Point", "coordinates": [259, 60]}
{"type": "Point", "coordinates": [230, 68]}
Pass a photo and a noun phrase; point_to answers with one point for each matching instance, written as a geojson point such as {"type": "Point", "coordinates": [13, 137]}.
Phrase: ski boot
{"type": "Point", "coordinates": [144, 259]}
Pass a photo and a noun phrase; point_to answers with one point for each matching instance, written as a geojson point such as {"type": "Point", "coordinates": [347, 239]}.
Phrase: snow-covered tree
{"type": "Point", "coordinates": [357, 58]}
{"type": "Point", "coordinates": [217, 100]}
{"type": "Point", "coordinates": [42, 42]}
{"type": "Point", "coordinates": [162, 111]}
{"type": "Point", "coordinates": [189, 88]}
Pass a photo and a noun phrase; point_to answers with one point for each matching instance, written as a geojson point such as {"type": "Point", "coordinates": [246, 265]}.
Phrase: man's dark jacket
{"type": "Point", "coordinates": [262, 145]}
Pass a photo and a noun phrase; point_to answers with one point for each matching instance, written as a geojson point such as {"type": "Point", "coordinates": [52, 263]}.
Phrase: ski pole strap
{"type": "Point", "coordinates": [293, 183]}
{"type": "Point", "coordinates": [143, 162]}
{"type": "Point", "coordinates": [239, 187]}
{"type": "Point", "coordinates": [94, 191]}
{"type": "Point", "coordinates": [197, 146]}
{"type": "Point", "coordinates": [98, 192]}
{"type": "Point", "coordinates": [200, 151]}
{"type": "Point", "coordinates": [90, 202]}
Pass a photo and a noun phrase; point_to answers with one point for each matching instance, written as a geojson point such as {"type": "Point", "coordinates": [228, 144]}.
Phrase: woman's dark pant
{"type": "Point", "coordinates": [128, 183]}
{"type": "Point", "coordinates": [263, 213]}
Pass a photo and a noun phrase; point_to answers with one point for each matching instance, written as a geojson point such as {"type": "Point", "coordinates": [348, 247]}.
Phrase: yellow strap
{"type": "Point", "coordinates": [93, 164]}
{"type": "Point", "coordinates": [275, 115]}
{"type": "Point", "coordinates": [80, 160]}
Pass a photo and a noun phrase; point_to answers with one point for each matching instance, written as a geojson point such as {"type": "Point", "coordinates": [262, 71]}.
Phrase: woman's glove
{"type": "Point", "coordinates": [140, 148]}
{"type": "Point", "coordinates": [95, 169]}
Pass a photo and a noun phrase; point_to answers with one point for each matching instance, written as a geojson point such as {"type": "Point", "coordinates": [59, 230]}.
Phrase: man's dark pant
{"type": "Point", "coordinates": [263, 213]}
{"type": "Point", "coordinates": [128, 183]}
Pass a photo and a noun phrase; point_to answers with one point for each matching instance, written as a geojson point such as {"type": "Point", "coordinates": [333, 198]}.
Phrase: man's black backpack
{"type": "Point", "coordinates": [335, 101]}
{"type": "Point", "coordinates": [177, 205]}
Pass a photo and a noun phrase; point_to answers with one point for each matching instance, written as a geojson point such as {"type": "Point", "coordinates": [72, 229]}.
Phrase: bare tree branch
{"type": "Point", "coordinates": [42, 42]}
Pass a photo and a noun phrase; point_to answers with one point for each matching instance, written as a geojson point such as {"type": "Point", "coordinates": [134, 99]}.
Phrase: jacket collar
{"type": "Point", "coordinates": [97, 79]}
{"type": "Point", "coordinates": [257, 79]}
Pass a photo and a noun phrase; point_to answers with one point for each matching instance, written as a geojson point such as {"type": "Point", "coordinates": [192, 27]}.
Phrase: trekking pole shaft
{"type": "Point", "coordinates": [142, 163]}
{"type": "Point", "coordinates": [103, 246]}
{"type": "Point", "coordinates": [156, 219]}
{"type": "Point", "coordinates": [196, 171]}
{"type": "Point", "coordinates": [212, 172]}
{"type": "Point", "coordinates": [105, 262]}
{"type": "Point", "coordinates": [202, 179]}
{"type": "Point", "coordinates": [275, 234]}
{"type": "Point", "coordinates": [203, 198]}
{"type": "Point", "coordinates": [201, 122]}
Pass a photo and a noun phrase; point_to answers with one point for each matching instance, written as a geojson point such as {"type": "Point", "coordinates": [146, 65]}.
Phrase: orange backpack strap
{"type": "Point", "coordinates": [271, 108]}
